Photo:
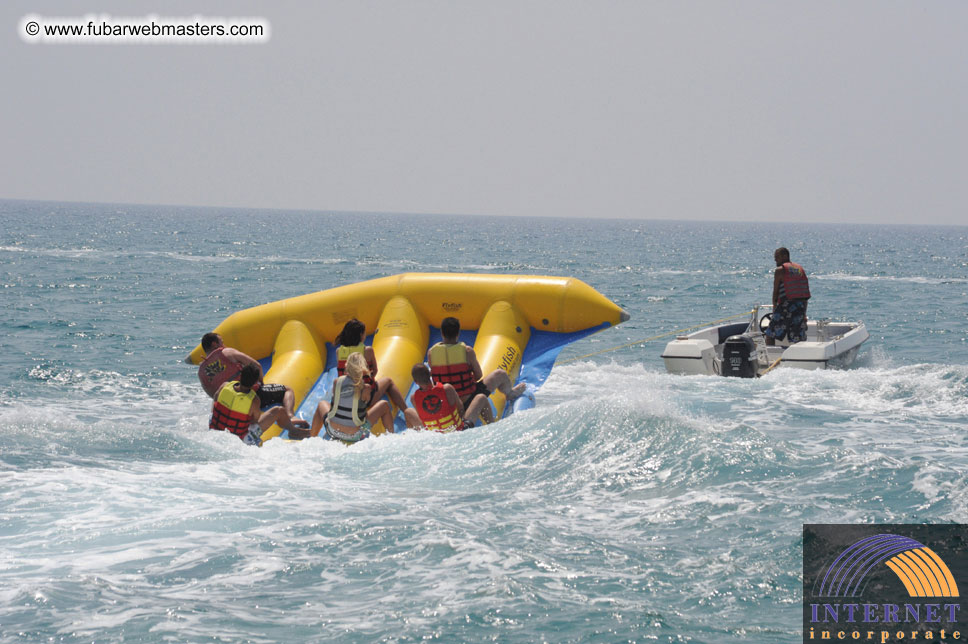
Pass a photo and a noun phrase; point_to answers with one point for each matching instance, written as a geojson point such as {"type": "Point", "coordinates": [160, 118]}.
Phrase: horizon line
{"type": "Point", "coordinates": [479, 215]}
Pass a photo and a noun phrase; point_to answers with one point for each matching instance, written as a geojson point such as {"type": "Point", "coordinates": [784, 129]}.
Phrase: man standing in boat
{"type": "Point", "coordinates": [791, 290]}
{"type": "Point", "coordinates": [454, 363]}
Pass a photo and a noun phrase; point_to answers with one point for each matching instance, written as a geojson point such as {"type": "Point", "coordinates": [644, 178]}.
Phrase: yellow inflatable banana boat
{"type": "Point", "coordinates": [515, 322]}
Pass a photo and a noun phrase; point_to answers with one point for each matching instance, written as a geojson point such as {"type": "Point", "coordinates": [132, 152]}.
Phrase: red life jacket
{"type": "Point", "coordinates": [215, 370]}
{"type": "Point", "coordinates": [435, 410]}
{"type": "Point", "coordinates": [448, 365]}
{"type": "Point", "coordinates": [794, 285]}
{"type": "Point", "coordinates": [230, 411]}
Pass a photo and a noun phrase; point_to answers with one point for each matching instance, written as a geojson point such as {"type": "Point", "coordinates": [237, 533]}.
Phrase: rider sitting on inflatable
{"type": "Point", "coordinates": [349, 342]}
{"type": "Point", "coordinates": [454, 363]}
{"type": "Point", "coordinates": [237, 409]}
{"type": "Point", "coordinates": [354, 408]}
{"type": "Point", "coordinates": [439, 406]}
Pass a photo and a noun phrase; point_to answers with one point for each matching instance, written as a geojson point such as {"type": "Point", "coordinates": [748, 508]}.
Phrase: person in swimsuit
{"type": "Point", "coordinates": [222, 364]}
{"type": "Point", "coordinates": [354, 409]}
{"type": "Point", "coordinates": [237, 409]}
{"type": "Point", "coordinates": [454, 363]}
{"type": "Point", "coordinates": [438, 405]}
{"type": "Point", "coordinates": [350, 341]}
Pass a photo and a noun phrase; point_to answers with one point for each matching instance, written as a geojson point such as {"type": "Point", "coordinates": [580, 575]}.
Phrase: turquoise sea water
{"type": "Point", "coordinates": [629, 505]}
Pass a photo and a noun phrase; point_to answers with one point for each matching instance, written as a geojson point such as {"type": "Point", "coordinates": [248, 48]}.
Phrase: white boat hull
{"type": "Point", "coordinates": [828, 344]}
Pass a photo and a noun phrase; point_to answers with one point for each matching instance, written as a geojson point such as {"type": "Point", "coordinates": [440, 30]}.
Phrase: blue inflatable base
{"type": "Point", "coordinates": [539, 357]}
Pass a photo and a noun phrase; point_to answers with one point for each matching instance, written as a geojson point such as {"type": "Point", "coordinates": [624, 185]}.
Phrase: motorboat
{"type": "Point", "coordinates": [739, 349]}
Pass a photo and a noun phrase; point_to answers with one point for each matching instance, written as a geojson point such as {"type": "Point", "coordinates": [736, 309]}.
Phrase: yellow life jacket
{"type": "Point", "coordinates": [230, 411]}
{"type": "Point", "coordinates": [343, 353]}
{"type": "Point", "coordinates": [448, 365]}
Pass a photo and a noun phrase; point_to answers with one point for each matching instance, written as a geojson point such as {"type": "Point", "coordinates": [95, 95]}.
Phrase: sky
{"type": "Point", "coordinates": [812, 111]}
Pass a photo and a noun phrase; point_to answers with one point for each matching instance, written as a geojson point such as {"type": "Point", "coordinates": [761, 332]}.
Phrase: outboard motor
{"type": "Point", "coordinates": [739, 357]}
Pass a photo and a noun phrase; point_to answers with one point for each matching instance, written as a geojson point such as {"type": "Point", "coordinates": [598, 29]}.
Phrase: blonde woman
{"type": "Point", "coordinates": [350, 341]}
{"type": "Point", "coordinates": [354, 409]}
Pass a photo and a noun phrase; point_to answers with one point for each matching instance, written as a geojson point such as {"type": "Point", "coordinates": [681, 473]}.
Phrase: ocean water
{"type": "Point", "coordinates": [629, 505]}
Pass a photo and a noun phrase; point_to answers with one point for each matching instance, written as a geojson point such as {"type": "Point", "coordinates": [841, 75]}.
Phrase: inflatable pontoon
{"type": "Point", "coordinates": [516, 322]}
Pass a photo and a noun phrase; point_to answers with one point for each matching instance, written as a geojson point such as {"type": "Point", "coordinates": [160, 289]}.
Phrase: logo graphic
{"type": "Point", "coordinates": [213, 369]}
{"type": "Point", "coordinates": [884, 583]}
{"type": "Point", "coordinates": [509, 359]}
{"type": "Point", "coordinates": [919, 568]}
{"type": "Point", "coordinates": [452, 307]}
{"type": "Point", "coordinates": [432, 403]}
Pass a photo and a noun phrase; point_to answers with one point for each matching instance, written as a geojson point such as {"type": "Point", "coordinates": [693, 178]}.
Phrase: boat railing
{"type": "Point", "coordinates": [754, 325]}
{"type": "Point", "coordinates": [754, 319]}
{"type": "Point", "coordinates": [822, 329]}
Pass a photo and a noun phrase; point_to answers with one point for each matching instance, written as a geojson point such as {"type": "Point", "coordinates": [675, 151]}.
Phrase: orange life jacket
{"type": "Point", "coordinates": [794, 285]}
{"type": "Point", "coordinates": [230, 412]}
{"type": "Point", "coordinates": [435, 410]}
{"type": "Point", "coordinates": [448, 365]}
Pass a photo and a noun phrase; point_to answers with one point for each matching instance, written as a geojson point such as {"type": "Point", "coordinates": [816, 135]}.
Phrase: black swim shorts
{"type": "Point", "coordinates": [271, 394]}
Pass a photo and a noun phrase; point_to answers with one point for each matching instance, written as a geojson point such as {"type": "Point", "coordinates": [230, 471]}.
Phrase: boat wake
{"type": "Point", "coordinates": [649, 483]}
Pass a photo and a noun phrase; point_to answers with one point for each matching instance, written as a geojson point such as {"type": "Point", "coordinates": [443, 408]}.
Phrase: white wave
{"type": "Point", "coordinates": [267, 260]}
{"type": "Point", "coordinates": [915, 279]}
{"type": "Point", "coordinates": [909, 393]}
{"type": "Point", "coordinates": [219, 258]}
{"type": "Point", "coordinates": [599, 484]}
{"type": "Point", "coordinates": [70, 253]}
{"type": "Point", "coordinates": [700, 271]}
{"type": "Point", "coordinates": [103, 387]}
